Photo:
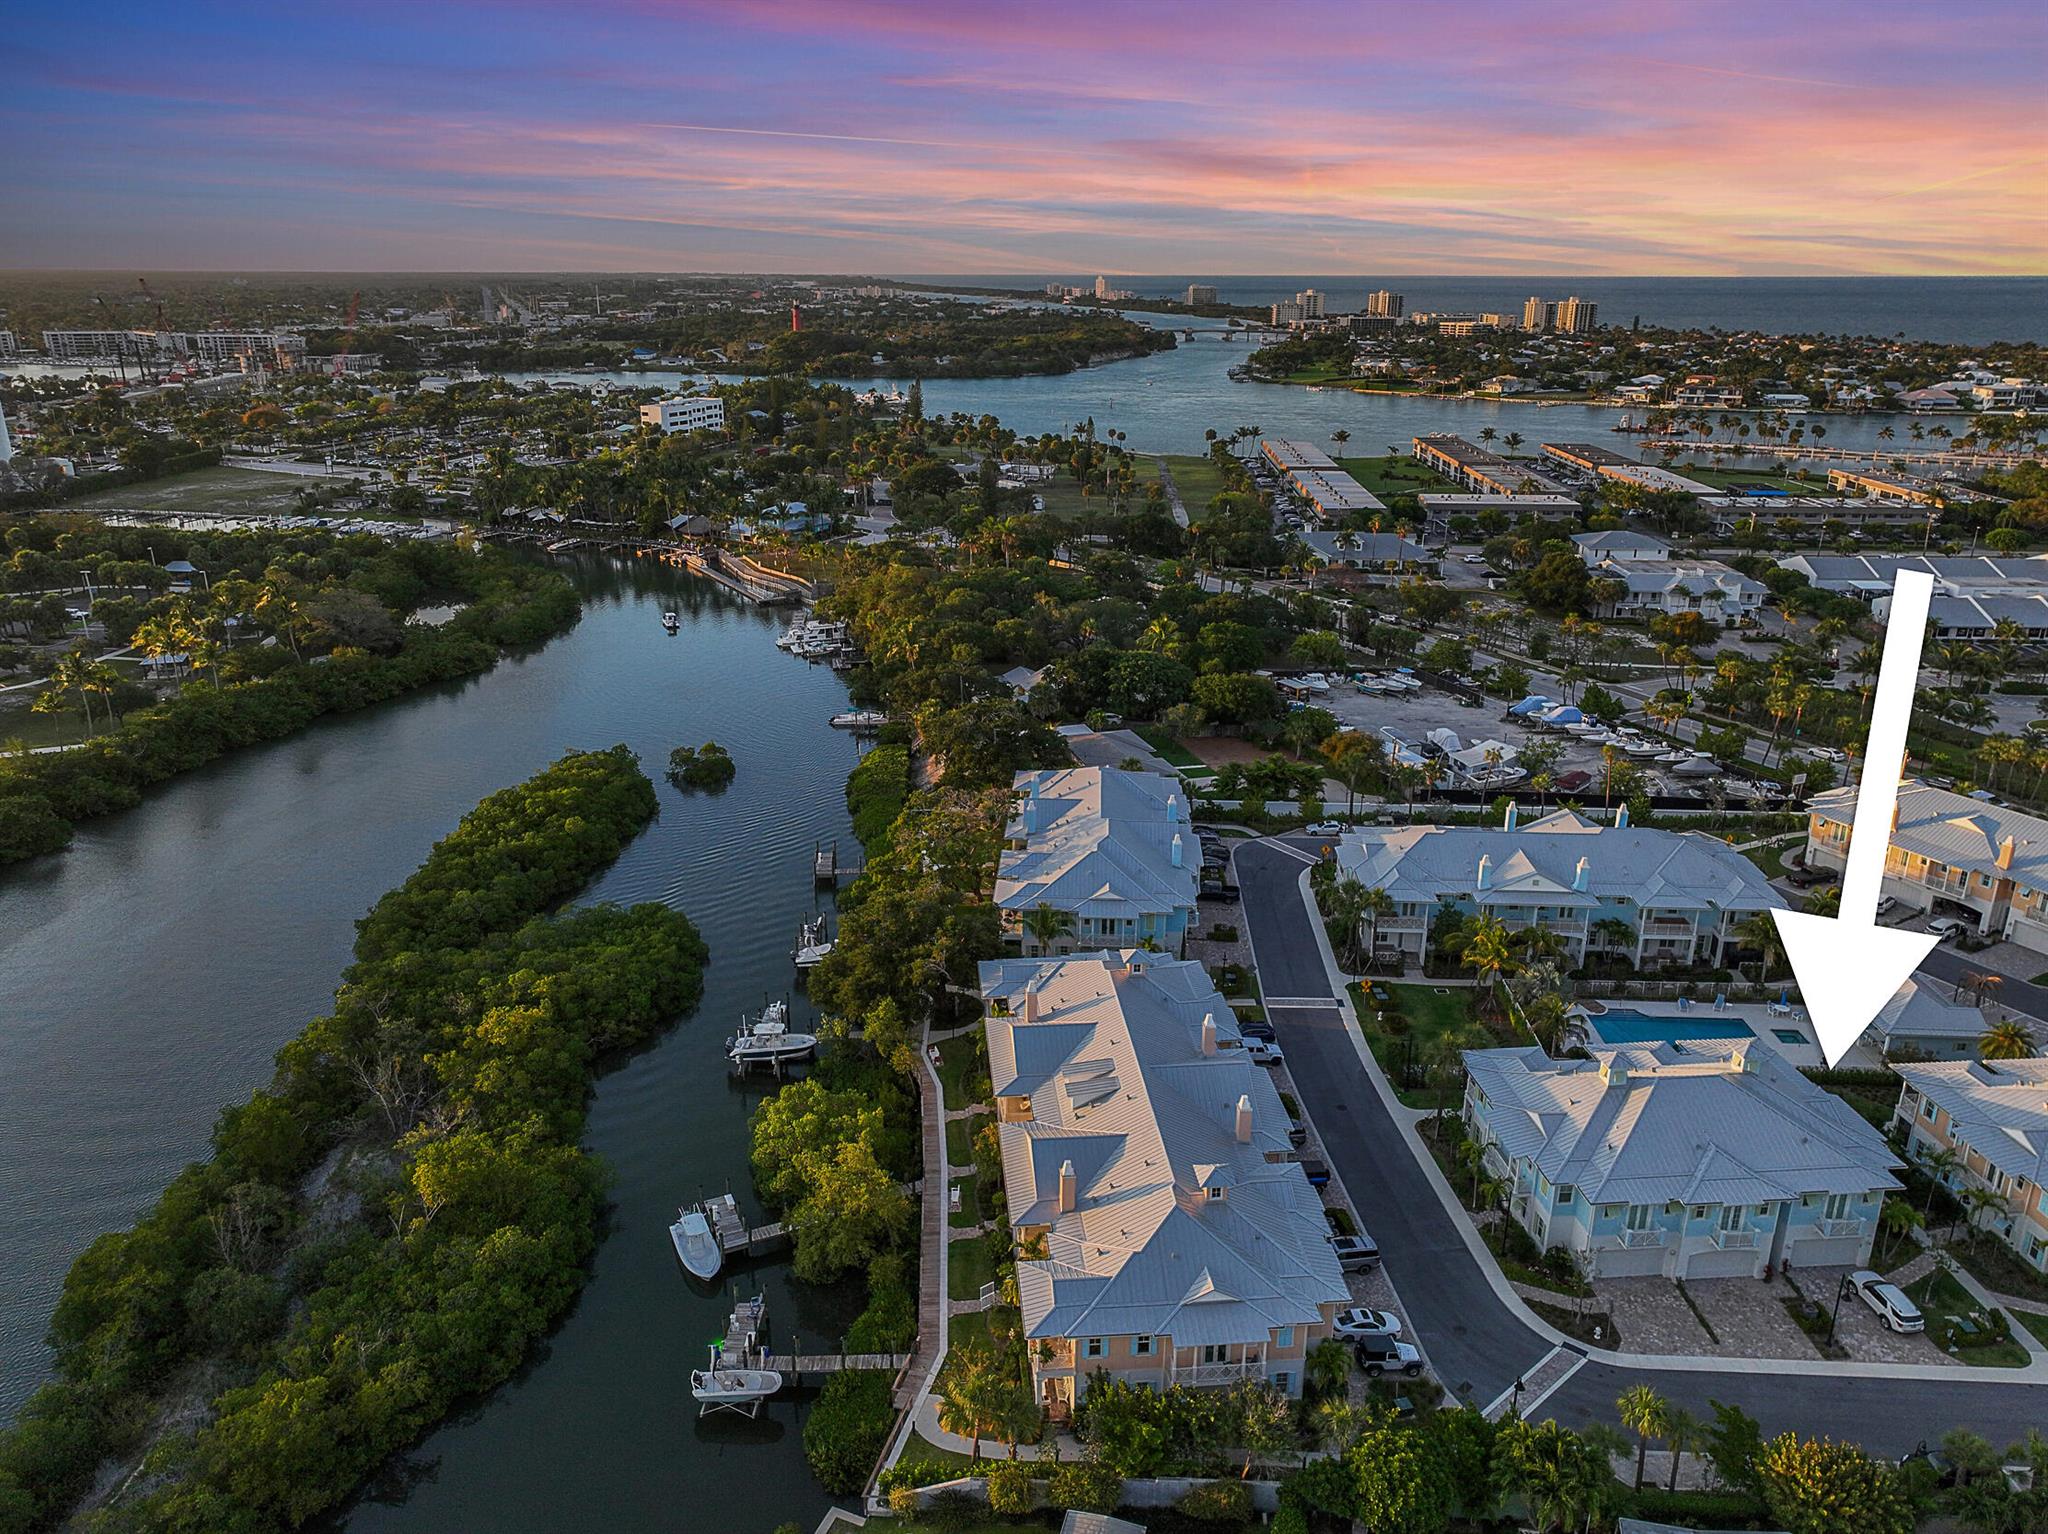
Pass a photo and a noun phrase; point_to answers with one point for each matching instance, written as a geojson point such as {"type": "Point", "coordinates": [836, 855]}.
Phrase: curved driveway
{"type": "Point", "coordinates": [1478, 1337]}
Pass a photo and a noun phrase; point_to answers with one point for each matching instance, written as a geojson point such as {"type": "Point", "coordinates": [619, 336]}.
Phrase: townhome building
{"type": "Point", "coordinates": [1658, 898]}
{"type": "Point", "coordinates": [1951, 855]}
{"type": "Point", "coordinates": [1164, 1234]}
{"type": "Point", "coordinates": [1648, 587]}
{"type": "Point", "coordinates": [1708, 1158]}
{"type": "Point", "coordinates": [1111, 850]}
{"type": "Point", "coordinates": [1992, 1116]}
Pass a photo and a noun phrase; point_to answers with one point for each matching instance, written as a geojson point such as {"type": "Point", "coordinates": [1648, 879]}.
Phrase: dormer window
{"type": "Point", "coordinates": [1212, 1193]}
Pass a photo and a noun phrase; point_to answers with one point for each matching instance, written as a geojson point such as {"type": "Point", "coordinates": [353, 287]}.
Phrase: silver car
{"type": "Point", "coordinates": [1889, 1301]}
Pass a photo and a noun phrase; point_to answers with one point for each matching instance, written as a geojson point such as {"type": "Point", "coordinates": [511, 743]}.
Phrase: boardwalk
{"type": "Point", "coordinates": [931, 1302]}
{"type": "Point", "coordinates": [788, 1364]}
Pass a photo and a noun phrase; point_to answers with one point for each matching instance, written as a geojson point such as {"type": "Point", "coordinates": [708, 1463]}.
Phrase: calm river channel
{"type": "Point", "coordinates": [148, 975]}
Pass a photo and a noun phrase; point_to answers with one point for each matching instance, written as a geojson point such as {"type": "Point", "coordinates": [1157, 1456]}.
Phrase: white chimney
{"type": "Point", "coordinates": [1173, 808]}
{"type": "Point", "coordinates": [1508, 820]}
{"type": "Point", "coordinates": [1030, 815]}
{"type": "Point", "coordinates": [1176, 849]}
{"type": "Point", "coordinates": [1485, 871]}
{"type": "Point", "coordinates": [1030, 1003]}
{"type": "Point", "coordinates": [1069, 1187]}
{"type": "Point", "coordinates": [1209, 1033]}
{"type": "Point", "coordinates": [1244, 1119]}
{"type": "Point", "coordinates": [1582, 875]}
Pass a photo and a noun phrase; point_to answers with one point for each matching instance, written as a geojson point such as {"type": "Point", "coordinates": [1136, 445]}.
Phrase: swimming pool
{"type": "Point", "coordinates": [1624, 1025]}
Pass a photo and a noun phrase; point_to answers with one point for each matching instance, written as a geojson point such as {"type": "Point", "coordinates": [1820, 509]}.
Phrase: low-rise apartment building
{"type": "Point", "coordinates": [1993, 1115]}
{"type": "Point", "coordinates": [1314, 476]}
{"type": "Point", "coordinates": [685, 412]}
{"type": "Point", "coordinates": [1657, 898]}
{"type": "Point", "coordinates": [1707, 1158]}
{"type": "Point", "coordinates": [1648, 588]}
{"type": "Point", "coordinates": [1887, 486]}
{"type": "Point", "coordinates": [1165, 1235]}
{"type": "Point", "coordinates": [1478, 469]}
{"type": "Point", "coordinates": [1111, 850]}
{"type": "Point", "coordinates": [1951, 854]}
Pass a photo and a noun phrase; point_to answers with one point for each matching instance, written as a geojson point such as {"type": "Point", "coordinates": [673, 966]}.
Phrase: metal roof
{"type": "Point", "coordinates": [1099, 841]}
{"type": "Point", "coordinates": [1998, 1107]}
{"type": "Point", "coordinates": [1954, 830]}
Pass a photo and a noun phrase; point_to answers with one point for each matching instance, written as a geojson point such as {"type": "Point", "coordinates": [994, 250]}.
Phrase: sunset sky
{"type": "Point", "coordinates": [1796, 136]}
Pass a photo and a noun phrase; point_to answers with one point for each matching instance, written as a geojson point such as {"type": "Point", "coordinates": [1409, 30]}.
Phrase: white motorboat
{"type": "Point", "coordinates": [695, 1243]}
{"type": "Point", "coordinates": [723, 1385]}
{"type": "Point", "coordinates": [1315, 681]}
{"type": "Point", "coordinates": [813, 945]}
{"type": "Point", "coordinates": [1644, 748]}
{"type": "Point", "coordinates": [1674, 756]}
{"type": "Point", "coordinates": [671, 622]}
{"type": "Point", "coordinates": [860, 719]}
{"type": "Point", "coordinates": [766, 1040]}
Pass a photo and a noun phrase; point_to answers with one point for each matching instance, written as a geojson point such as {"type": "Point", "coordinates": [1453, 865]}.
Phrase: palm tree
{"type": "Point", "coordinates": [972, 1395]}
{"type": "Point", "coordinates": [1644, 1413]}
{"type": "Point", "coordinates": [1939, 1165]}
{"type": "Point", "coordinates": [2008, 1040]}
{"type": "Point", "coordinates": [1683, 1432]}
{"type": "Point", "coordinates": [1374, 907]}
{"type": "Point", "coordinates": [1487, 953]}
{"type": "Point", "coordinates": [1761, 933]}
{"type": "Point", "coordinates": [1898, 1217]}
{"type": "Point", "coordinates": [1046, 925]}
{"type": "Point", "coordinates": [1979, 1202]}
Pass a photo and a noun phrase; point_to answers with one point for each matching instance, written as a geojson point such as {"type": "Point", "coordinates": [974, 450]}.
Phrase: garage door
{"type": "Point", "coordinates": [1844, 1253]}
{"type": "Point", "coordinates": [1623, 1262]}
{"type": "Point", "coordinates": [1715, 1263]}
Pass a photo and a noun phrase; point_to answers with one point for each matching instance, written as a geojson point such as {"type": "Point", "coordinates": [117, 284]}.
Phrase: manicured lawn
{"type": "Point", "coordinates": [1171, 749]}
{"type": "Point", "coordinates": [1419, 1016]}
{"type": "Point", "coordinates": [2034, 1322]}
{"type": "Point", "coordinates": [1994, 1266]}
{"type": "Point", "coordinates": [1393, 475]}
{"type": "Point", "coordinates": [970, 1203]}
{"type": "Point", "coordinates": [960, 1070]}
{"type": "Point", "coordinates": [1197, 479]}
{"type": "Point", "coordinates": [969, 1265]}
{"type": "Point", "coordinates": [1772, 859]}
{"type": "Point", "coordinates": [960, 1138]}
{"type": "Point", "coordinates": [921, 1449]}
{"type": "Point", "coordinates": [1941, 1299]}
{"type": "Point", "coordinates": [1728, 478]}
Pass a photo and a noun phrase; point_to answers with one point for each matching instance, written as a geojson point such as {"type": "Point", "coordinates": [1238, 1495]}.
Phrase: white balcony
{"type": "Point", "coordinates": [1734, 1240]}
{"type": "Point", "coordinates": [1218, 1374]}
{"type": "Point", "coordinates": [1836, 1230]}
{"type": "Point", "coordinates": [1643, 1238]}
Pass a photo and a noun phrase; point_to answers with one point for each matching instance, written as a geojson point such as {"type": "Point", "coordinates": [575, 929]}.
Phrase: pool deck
{"type": "Point", "coordinates": [1758, 1018]}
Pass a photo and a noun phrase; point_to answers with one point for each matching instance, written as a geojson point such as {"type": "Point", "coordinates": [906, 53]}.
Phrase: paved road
{"type": "Point", "coordinates": [2018, 995]}
{"type": "Point", "coordinates": [1477, 1344]}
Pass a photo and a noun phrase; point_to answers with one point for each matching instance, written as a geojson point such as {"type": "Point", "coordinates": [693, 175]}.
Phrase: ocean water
{"type": "Point", "coordinates": [1966, 310]}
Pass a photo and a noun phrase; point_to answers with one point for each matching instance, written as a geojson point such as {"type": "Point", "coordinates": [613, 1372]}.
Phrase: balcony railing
{"type": "Point", "coordinates": [1735, 1239]}
{"type": "Point", "coordinates": [1219, 1374]}
{"type": "Point", "coordinates": [1834, 1230]}
{"type": "Point", "coordinates": [1638, 1238]}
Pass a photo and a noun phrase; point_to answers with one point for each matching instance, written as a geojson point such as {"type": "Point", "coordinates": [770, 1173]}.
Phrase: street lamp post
{"type": "Point", "coordinates": [1835, 1315]}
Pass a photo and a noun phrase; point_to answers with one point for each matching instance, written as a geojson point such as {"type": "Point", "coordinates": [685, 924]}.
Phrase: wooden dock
{"type": "Point", "coordinates": [825, 864]}
{"type": "Point", "coordinates": [788, 1364]}
{"type": "Point", "coordinates": [732, 1231]}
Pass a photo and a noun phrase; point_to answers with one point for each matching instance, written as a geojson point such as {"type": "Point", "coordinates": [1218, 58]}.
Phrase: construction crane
{"type": "Point", "coordinates": [348, 338]}
{"type": "Point", "coordinates": [162, 324]}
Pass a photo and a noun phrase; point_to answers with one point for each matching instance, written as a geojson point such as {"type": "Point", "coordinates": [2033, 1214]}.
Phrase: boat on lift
{"type": "Point", "coordinates": [695, 1243]}
{"type": "Point", "coordinates": [813, 945]}
{"type": "Point", "coordinates": [766, 1040]}
{"type": "Point", "coordinates": [726, 1385]}
{"type": "Point", "coordinates": [860, 719]}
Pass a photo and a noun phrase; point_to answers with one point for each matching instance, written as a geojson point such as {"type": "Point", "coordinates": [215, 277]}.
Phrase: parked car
{"type": "Point", "coordinates": [1356, 1254]}
{"type": "Point", "coordinates": [1472, 559]}
{"type": "Point", "coordinates": [1946, 927]}
{"type": "Point", "coordinates": [1361, 1322]}
{"type": "Point", "coordinates": [1889, 1301]}
{"type": "Point", "coordinates": [1254, 1028]}
{"type": "Point", "coordinates": [1317, 1173]}
{"type": "Point", "coordinates": [1297, 1133]}
{"type": "Point", "coordinates": [1376, 1355]}
{"type": "Point", "coordinates": [1325, 828]}
{"type": "Point", "coordinates": [1264, 1051]}
{"type": "Point", "coordinates": [1886, 904]}
{"type": "Point", "coordinates": [1827, 754]}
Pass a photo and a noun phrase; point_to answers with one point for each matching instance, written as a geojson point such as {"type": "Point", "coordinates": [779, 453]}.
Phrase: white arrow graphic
{"type": "Point", "coordinates": [1847, 965]}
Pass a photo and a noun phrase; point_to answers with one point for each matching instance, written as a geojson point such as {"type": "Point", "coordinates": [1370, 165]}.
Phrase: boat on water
{"type": "Point", "coordinates": [695, 1243]}
{"type": "Point", "coordinates": [813, 944]}
{"type": "Point", "coordinates": [766, 1040]}
{"type": "Point", "coordinates": [724, 1385]}
{"type": "Point", "coordinates": [671, 621]}
{"type": "Point", "coordinates": [860, 719]}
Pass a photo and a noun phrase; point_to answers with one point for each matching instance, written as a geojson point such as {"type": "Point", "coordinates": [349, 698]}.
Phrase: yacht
{"type": "Point", "coordinates": [813, 946]}
{"type": "Point", "coordinates": [695, 1243]}
{"type": "Point", "coordinates": [766, 1040]}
